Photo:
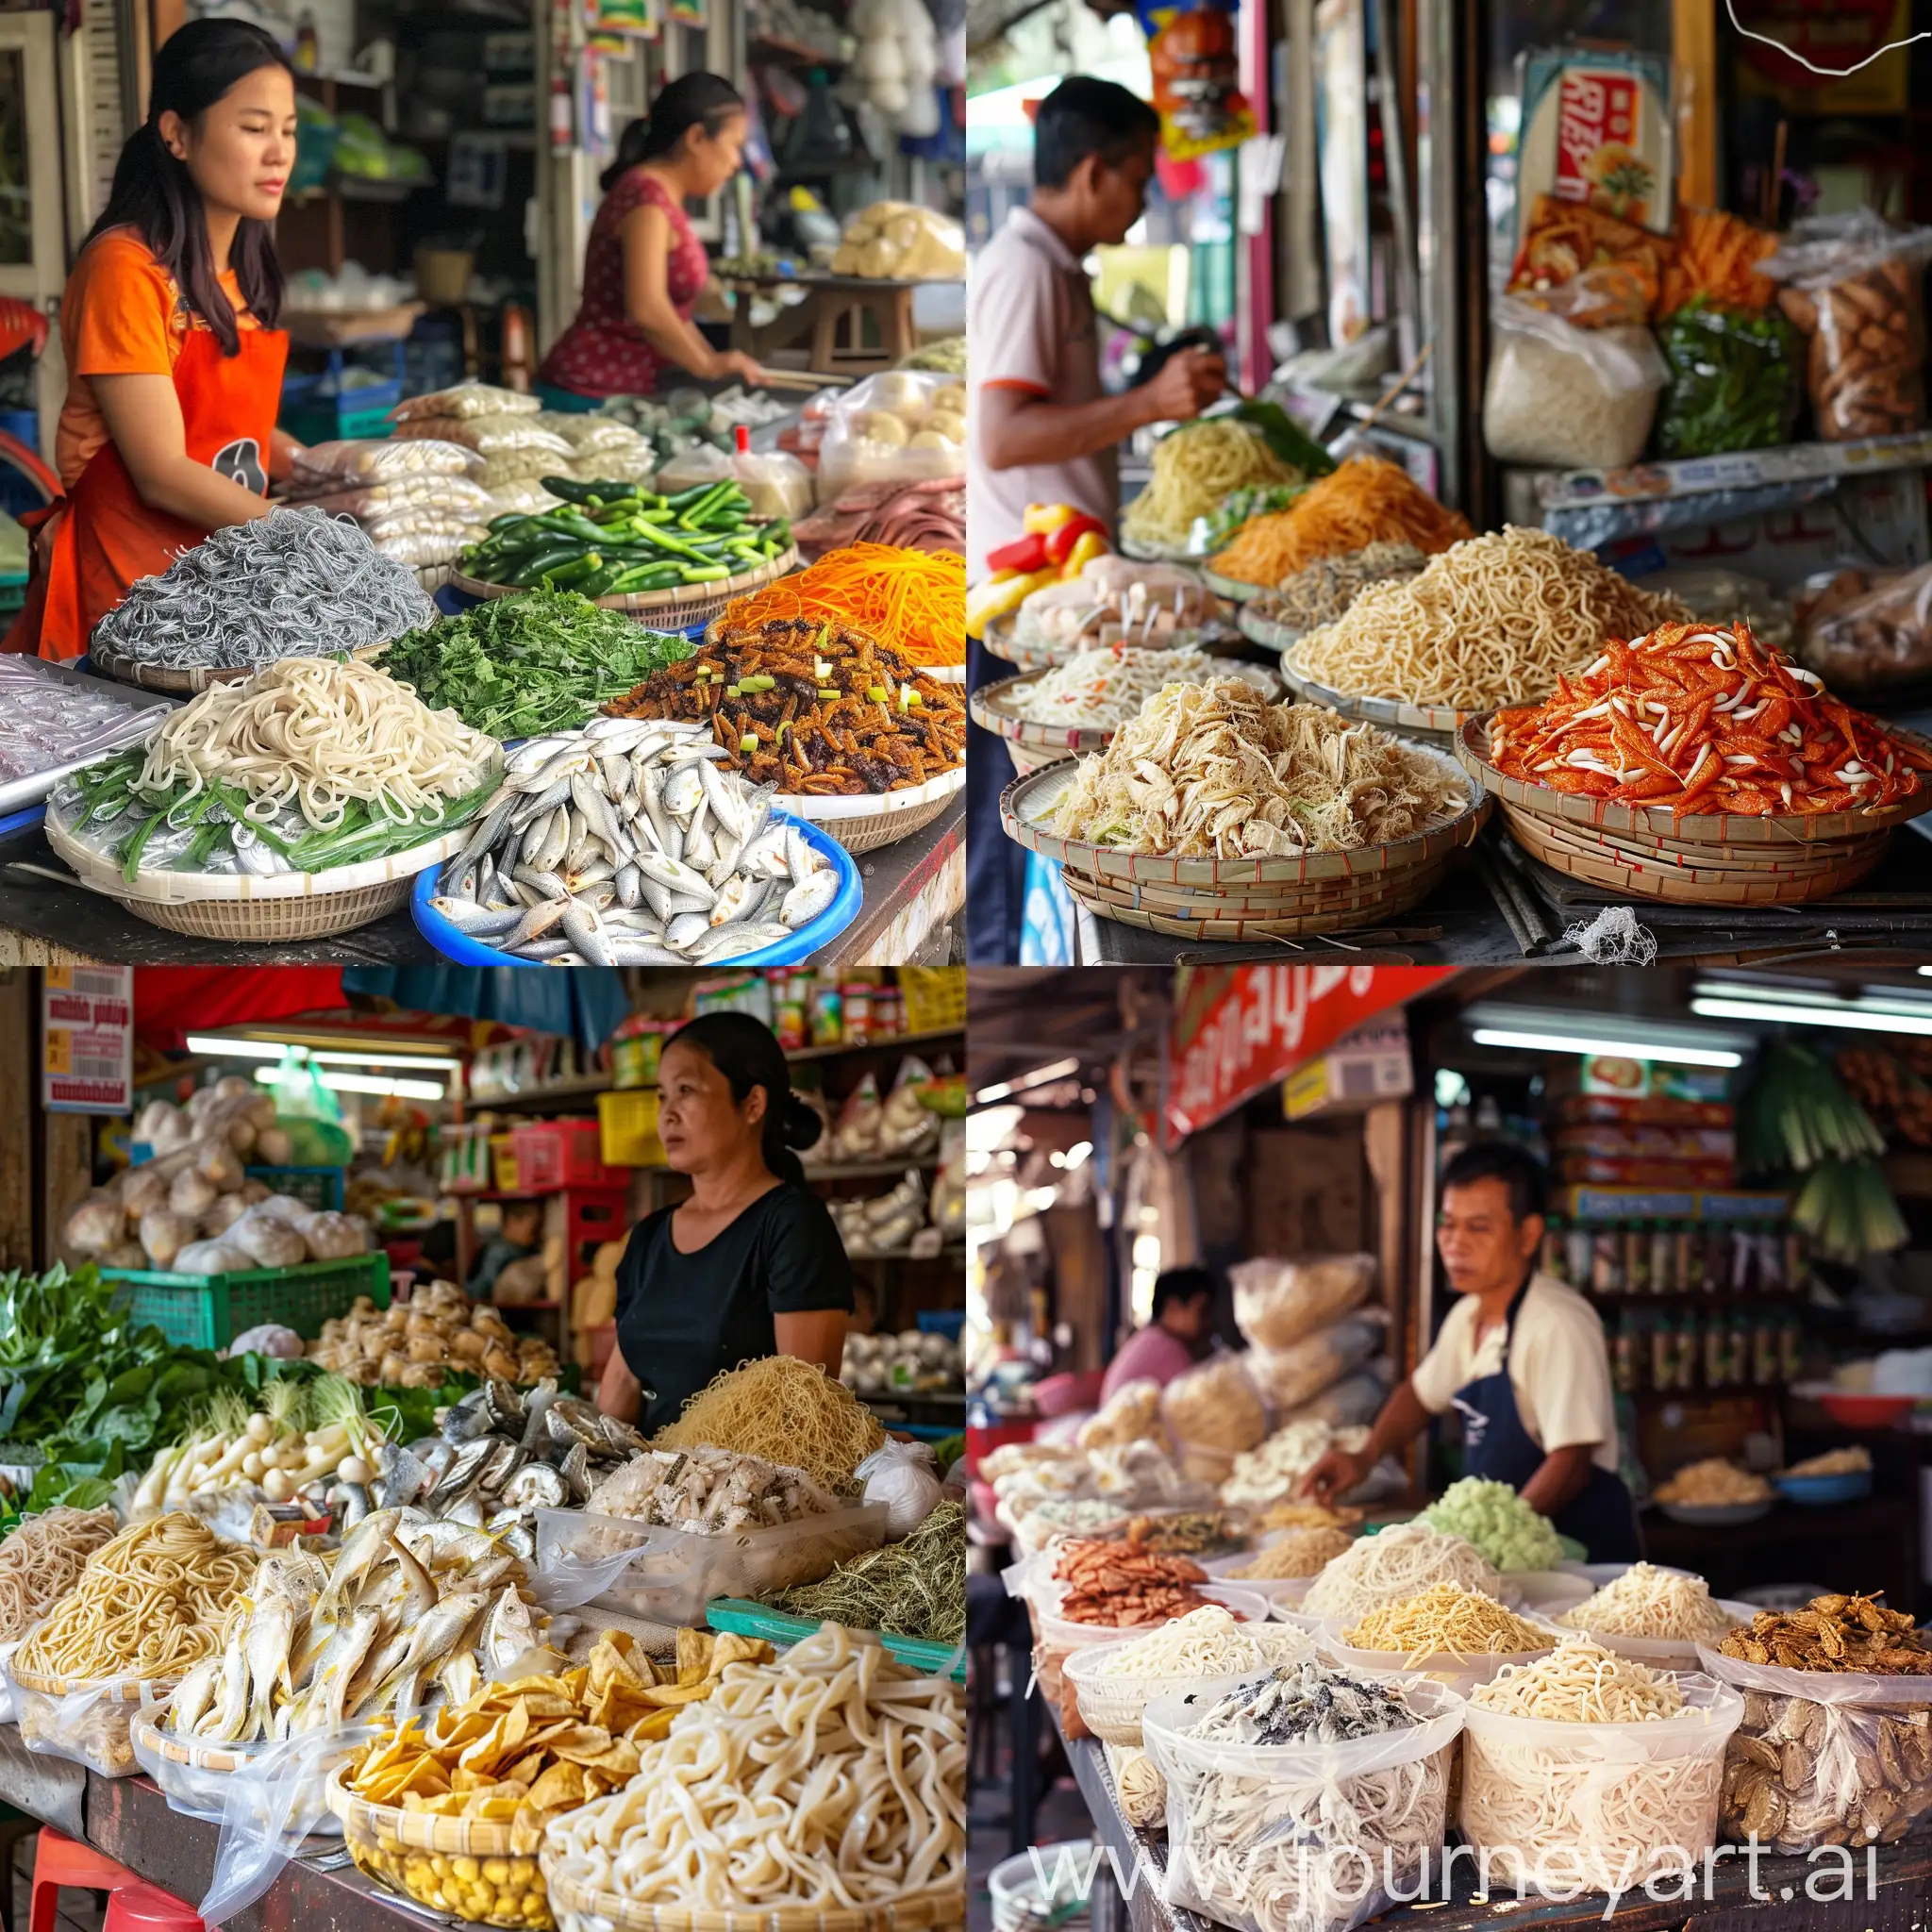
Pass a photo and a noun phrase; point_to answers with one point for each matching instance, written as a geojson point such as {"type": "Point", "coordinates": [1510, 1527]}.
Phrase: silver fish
{"type": "Point", "coordinates": [686, 930]}
{"type": "Point", "coordinates": [435, 1638]}
{"type": "Point", "coordinates": [809, 899]}
{"type": "Point", "coordinates": [679, 879]}
{"type": "Point", "coordinates": [537, 920]}
{"type": "Point", "coordinates": [584, 931]}
{"type": "Point", "coordinates": [735, 899]}
{"type": "Point", "coordinates": [734, 940]}
{"type": "Point", "coordinates": [622, 734]}
{"type": "Point", "coordinates": [643, 951]}
{"type": "Point", "coordinates": [700, 848]}
{"type": "Point", "coordinates": [225, 1723]}
{"type": "Point", "coordinates": [801, 861]}
{"type": "Point", "coordinates": [573, 758]}
{"type": "Point", "coordinates": [595, 807]}
{"type": "Point", "coordinates": [555, 842]}
{"type": "Point", "coordinates": [614, 770]}
{"type": "Point", "coordinates": [480, 921]}
{"type": "Point", "coordinates": [270, 1636]}
{"type": "Point", "coordinates": [683, 791]}
{"type": "Point", "coordinates": [765, 855]}
{"type": "Point", "coordinates": [725, 795]}
{"type": "Point", "coordinates": [629, 883]}
{"type": "Point", "coordinates": [545, 952]}
{"type": "Point", "coordinates": [362, 1549]}
{"type": "Point", "coordinates": [197, 1691]}
{"type": "Point", "coordinates": [419, 1586]}
{"type": "Point", "coordinates": [539, 805]}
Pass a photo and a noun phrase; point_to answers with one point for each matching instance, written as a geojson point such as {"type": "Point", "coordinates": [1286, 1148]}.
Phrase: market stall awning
{"type": "Point", "coordinates": [172, 1001]}
{"type": "Point", "coordinates": [585, 1003]}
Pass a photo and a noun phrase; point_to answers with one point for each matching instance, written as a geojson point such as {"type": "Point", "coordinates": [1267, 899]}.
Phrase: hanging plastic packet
{"type": "Point", "coordinates": [1196, 69]}
{"type": "Point", "coordinates": [275, 1803]}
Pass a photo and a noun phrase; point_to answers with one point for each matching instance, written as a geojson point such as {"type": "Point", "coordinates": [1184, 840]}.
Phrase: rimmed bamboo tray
{"type": "Point", "coordinates": [1031, 744]}
{"type": "Point", "coordinates": [1436, 724]}
{"type": "Point", "coordinates": [1001, 641]}
{"type": "Point", "coordinates": [124, 670]}
{"type": "Point", "coordinates": [1708, 859]}
{"type": "Point", "coordinates": [1142, 552]}
{"type": "Point", "coordinates": [878, 818]}
{"type": "Point", "coordinates": [936, 1905]}
{"type": "Point", "coordinates": [677, 609]}
{"type": "Point", "coordinates": [1237, 898]}
{"type": "Point", "coordinates": [1264, 631]}
{"type": "Point", "coordinates": [196, 1755]}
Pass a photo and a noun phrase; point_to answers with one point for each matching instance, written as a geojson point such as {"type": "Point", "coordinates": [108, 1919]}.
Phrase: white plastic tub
{"type": "Point", "coordinates": [669, 1575]}
{"type": "Point", "coordinates": [1112, 1706]}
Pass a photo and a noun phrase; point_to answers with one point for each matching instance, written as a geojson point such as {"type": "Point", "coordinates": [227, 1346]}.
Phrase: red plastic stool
{"type": "Point", "coordinates": [58, 1861]}
{"type": "Point", "coordinates": [139, 1907]}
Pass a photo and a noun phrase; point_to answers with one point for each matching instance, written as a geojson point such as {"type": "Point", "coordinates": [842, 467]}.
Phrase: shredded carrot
{"type": "Point", "coordinates": [1366, 501]}
{"type": "Point", "coordinates": [912, 600]}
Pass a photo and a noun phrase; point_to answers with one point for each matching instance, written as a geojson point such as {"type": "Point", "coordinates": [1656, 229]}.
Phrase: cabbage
{"type": "Point", "coordinates": [1498, 1522]}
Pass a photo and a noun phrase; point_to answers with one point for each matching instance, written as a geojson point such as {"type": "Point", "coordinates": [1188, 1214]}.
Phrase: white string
{"type": "Point", "coordinates": [1829, 73]}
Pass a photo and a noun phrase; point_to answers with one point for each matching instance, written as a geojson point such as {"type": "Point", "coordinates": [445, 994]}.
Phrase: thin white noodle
{"type": "Point", "coordinates": [1207, 1643]}
{"type": "Point", "coordinates": [1400, 1562]}
{"type": "Point", "coordinates": [318, 733]}
{"type": "Point", "coordinates": [40, 1562]}
{"type": "Point", "coordinates": [1097, 689]}
{"type": "Point", "coordinates": [1607, 1806]}
{"type": "Point", "coordinates": [1194, 468]}
{"type": "Point", "coordinates": [1649, 1601]}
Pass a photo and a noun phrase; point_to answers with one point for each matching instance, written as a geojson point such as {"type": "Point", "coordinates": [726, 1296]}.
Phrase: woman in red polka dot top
{"type": "Point", "coordinates": [644, 269]}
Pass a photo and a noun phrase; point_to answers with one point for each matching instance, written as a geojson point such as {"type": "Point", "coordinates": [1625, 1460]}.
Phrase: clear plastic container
{"type": "Point", "coordinates": [668, 1576]}
{"type": "Point", "coordinates": [197, 1776]}
{"type": "Point", "coordinates": [1552, 1592]}
{"type": "Point", "coordinates": [901, 425]}
{"type": "Point", "coordinates": [1462, 1674]}
{"type": "Point", "coordinates": [461, 1865]}
{"type": "Point", "coordinates": [1666, 1652]}
{"type": "Point", "coordinates": [1112, 1706]}
{"type": "Point", "coordinates": [87, 1720]}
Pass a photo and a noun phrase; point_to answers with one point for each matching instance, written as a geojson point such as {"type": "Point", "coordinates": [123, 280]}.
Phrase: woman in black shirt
{"type": "Point", "coordinates": [751, 1264]}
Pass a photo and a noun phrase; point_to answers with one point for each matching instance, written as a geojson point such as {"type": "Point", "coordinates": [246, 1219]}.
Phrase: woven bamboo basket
{"type": "Point", "coordinates": [193, 1752]}
{"type": "Point", "coordinates": [579, 1908]}
{"type": "Point", "coordinates": [1238, 898]}
{"type": "Point", "coordinates": [1001, 640]}
{"type": "Point", "coordinates": [124, 670]}
{"type": "Point", "coordinates": [677, 609]}
{"type": "Point", "coordinates": [1231, 588]}
{"type": "Point", "coordinates": [98, 1732]}
{"type": "Point", "coordinates": [259, 911]}
{"type": "Point", "coordinates": [883, 818]}
{"type": "Point", "coordinates": [1435, 725]}
{"type": "Point", "coordinates": [1030, 744]}
{"type": "Point", "coordinates": [1264, 631]}
{"type": "Point", "coordinates": [1142, 552]}
{"type": "Point", "coordinates": [1704, 858]}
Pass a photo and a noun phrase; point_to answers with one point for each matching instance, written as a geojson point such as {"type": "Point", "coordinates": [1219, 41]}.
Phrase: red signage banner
{"type": "Point", "coordinates": [1237, 1030]}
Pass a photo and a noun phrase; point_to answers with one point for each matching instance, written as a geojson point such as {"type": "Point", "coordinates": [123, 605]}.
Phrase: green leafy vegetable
{"type": "Point", "coordinates": [518, 667]}
{"type": "Point", "coordinates": [1734, 380]}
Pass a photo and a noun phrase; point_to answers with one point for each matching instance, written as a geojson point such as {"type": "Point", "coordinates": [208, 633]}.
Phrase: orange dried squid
{"type": "Point", "coordinates": [1702, 718]}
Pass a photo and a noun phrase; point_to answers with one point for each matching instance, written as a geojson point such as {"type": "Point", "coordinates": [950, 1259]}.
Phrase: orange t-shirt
{"type": "Point", "coordinates": [120, 314]}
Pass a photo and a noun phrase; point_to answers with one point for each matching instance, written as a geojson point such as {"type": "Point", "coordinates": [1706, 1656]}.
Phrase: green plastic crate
{"type": "Point", "coordinates": [209, 1310]}
{"type": "Point", "coordinates": [753, 1619]}
{"type": "Point", "coordinates": [319, 1187]}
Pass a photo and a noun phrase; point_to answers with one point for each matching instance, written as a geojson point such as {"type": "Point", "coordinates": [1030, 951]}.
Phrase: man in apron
{"type": "Point", "coordinates": [1521, 1359]}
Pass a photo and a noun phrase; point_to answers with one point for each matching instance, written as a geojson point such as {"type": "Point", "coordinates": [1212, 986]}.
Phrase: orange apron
{"type": "Point", "coordinates": [106, 537]}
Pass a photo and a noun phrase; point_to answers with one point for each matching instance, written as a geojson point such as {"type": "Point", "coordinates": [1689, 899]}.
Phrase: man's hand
{"type": "Point", "coordinates": [1335, 1475]}
{"type": "Point", "coordinates": [1186, 385]}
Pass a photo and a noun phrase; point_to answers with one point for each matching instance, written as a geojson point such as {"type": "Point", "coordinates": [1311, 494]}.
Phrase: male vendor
{"type": "Point", "coordinates": [1519, 1356]}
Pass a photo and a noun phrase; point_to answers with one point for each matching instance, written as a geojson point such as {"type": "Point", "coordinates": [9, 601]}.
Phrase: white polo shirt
{"type": "Point", "coordinates": [1559, 1368]}
{"type": "Point", "coordinates": [1031, 320]}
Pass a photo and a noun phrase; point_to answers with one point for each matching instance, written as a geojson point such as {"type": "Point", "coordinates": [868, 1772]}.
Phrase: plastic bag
{"type": "Point", "coordinates": [1288, 1378]}
{"type": "Point", "coordinates": [1353, 1402]}
{"type": "Point", "coordinates": [274, 1802]}
{"type": "Point", "coordinates": [701, 463]}
{"type": "Point", "coordinates": [1823, 1758]}
{"type": "Point", "coordinates": [1565, 397]}
{"type": "Point", "coordinates": [1861, 636]}
{"type": "Point", "coordinates": [1605, 1805]}
{"type": "Point", "coordinates": [8, 1713]}
{"type": "Point", "coordinates": [465, 400]}
{"type": "Point", "coordinates": [1716, 595]}
{"type": "Point", "coordinates": [777, 485]}
{"type": "Point", "coordinates": [268, 1337]}
{"type": "Point", "coordinates": [1732, 380]}
{"type": "Point", "coordinates": [1293, 1838]}
{"type": "Point", "coordinates": [427, 492]}
{"type": "Point", "coordinates": [1196, 70]}
{"type": "Point", "coordinates": [86, 1721]}
{"type": "Point", "coordinates": [903, 1476]}
{"type": "Point", "coordinates": [902, 240]}
{"type": "Point", "coordinates": [1139, 1786]}
{"type": "Point", "coordinates": [336, 465]}
{"type": "Point", "coordinates": [901, 425]}
{"type": "Point", "coordinates": [1853, 285]}
{"type": "Point", "coordinates": [1276, 1302]}
{"type": "Point", "coordinates": [1213, 1412]}
{"type": "Point", "coordinates": [421, 549]}
{"type": "Point", "coordinates": [489, 436]}
{"type": "Point", "coordinates": [1130, 1414]}
{"type": "Point", "coordinates": [523, 497]}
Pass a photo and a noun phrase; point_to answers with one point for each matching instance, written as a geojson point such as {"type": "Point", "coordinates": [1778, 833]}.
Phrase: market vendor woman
{"type": "Point", "coordinates": [751, 1265]}
{"type": "Point", "coordinates": [1521, 1358]}
{"type": "Point", "coordinates": [168, 322]}
{"type": "Point", "coordinates": [643, 267]}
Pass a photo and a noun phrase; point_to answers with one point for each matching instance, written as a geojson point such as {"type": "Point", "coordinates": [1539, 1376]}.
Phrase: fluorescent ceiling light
{"type": "Point", "coordinates": [368, 1083]}
{"type": "Point", "coordinates": [1554, 1041]}
{"type": "Point", "coordinates": [218, 1044]}
{"type": "Point", "coordinates": [1041, 1076]}
{"type": "Point", "coordinates": [1860, 1017]}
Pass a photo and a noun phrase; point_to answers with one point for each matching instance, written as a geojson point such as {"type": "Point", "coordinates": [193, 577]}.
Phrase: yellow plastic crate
{"type": "Point", "coordinates": [628, 1119]}
{"type": "Point", "coordinates": [935, 998]}
{"type": "Point", "coordinates": [503, 1160]}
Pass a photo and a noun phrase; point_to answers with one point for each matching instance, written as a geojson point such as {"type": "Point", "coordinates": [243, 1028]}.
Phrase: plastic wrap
{"type": "Point", "coordinates": [1607, 1806]}
{"type": "Point", "coordinates": [1289, 1377]}
{"type": "Point", "coordinates": [1853, 285]}
{"type": "Point", "coordinates": [489, 436]}
{"type": "Point", "coordinates": [1568, 398]}
{"type": "Point", "coordinates": [465, 400]}
{"type": "Point", "coordinates": [274, 1801]}
{"type": "Point", "coordinates": [1277, 1301]}
{"type": "Point", "coordinates": [436, 492]}
{"type": "Point", "coordinates": [1868, 640]}
{"type": "Point", "coordinates": [88, 1721]}
{"type": "Point", "coordinates": [902, 426]}
{"type": "Point", "coordinates": [1213, 1412]}
{"type": "Point", "coordinates": [775, 485]}
{"type": "Point", "coordinates": [1824, 1758]}
{"type": "Point", "coordinates": [1297, 1838]}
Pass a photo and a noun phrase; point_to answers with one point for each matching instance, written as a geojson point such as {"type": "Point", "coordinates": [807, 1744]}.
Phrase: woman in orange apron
{"type": "Point", "coordinates": [175, 365]}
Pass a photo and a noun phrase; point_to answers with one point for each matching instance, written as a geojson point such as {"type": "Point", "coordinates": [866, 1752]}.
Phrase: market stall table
{"type": "Point", "coordinates": [1904, 1876]}
{"type": "Point", "coordinates": [913, 888]}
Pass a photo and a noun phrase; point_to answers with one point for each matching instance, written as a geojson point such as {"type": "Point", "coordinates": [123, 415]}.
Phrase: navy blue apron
{"type": "Point", "coordinates": [1496, 1445]}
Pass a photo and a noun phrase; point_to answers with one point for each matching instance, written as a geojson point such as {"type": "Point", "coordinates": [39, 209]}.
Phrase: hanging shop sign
{"type": "Point", "coordinates": [86, 1040]}
{"type": "Point", "coordinates": [1240, 1029]}
{"type": "Point", "coordinates": [1832, 34]}
{"type": "Point", "coordinates": [1596, 131]}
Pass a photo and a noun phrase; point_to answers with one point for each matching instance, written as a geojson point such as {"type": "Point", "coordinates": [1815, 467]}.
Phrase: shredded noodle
{"type": "Point", "coordinates": [1098, 690]}
{"type": "Point", "coordinates": [1207, 1643]}
{"type": "Point", "coordinates": [40, 1560]}
{"type": "Point", "coordinates": [1649, 1601]}
{"type": "Point", "coordinates": [783, 1409]}
{"type": "Point", "coordinates": [1491, 621]}
{"type": "Point", "coordinates": [1367, 500]}
{"type": "Point", "coordinates": [1445, 1619]}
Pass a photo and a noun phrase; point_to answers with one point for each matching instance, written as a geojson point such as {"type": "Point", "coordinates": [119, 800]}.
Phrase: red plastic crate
{"type": "Point", "coordinates": [562, 1153]}
{"type": "Point", "coordinates": [591, 1217]}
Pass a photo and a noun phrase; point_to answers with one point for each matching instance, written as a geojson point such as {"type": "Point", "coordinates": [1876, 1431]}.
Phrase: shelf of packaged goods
{"type": "Point", "coordinates": [1588, 1202]}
